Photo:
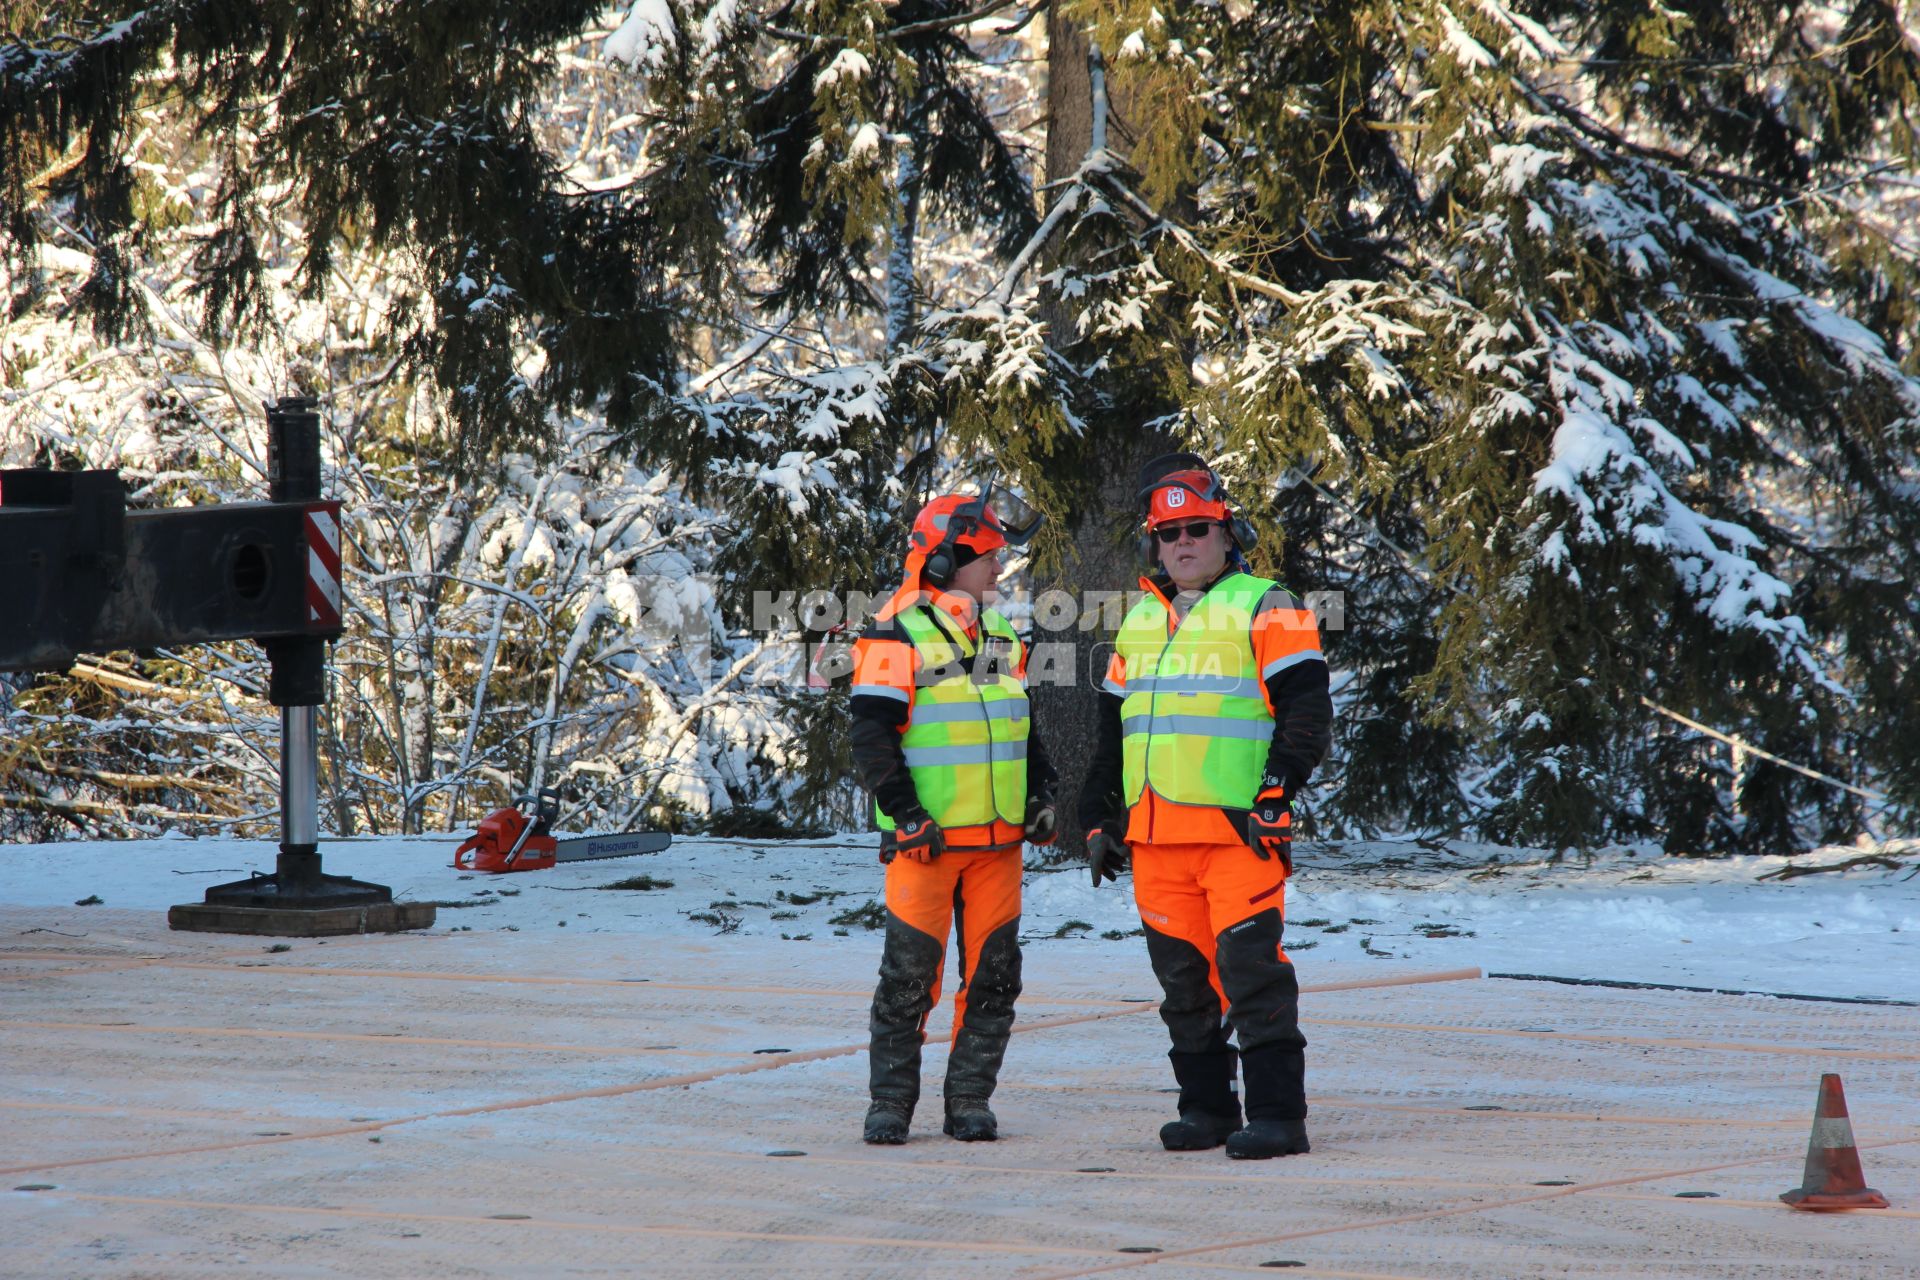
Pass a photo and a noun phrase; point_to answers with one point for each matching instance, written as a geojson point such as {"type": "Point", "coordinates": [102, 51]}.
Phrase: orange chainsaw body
{"type": "Point", "coordinates": [491, 848]}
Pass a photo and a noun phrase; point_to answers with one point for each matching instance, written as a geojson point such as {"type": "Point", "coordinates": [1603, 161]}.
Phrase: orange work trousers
{"type": "Point", "coordinates": [977, 896]}
{"type": "Point", "coordinates": [1213, 918]}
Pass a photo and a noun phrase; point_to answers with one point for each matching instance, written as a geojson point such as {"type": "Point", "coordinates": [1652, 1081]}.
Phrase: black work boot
{"type": "Point", "coordinates": [1265, 1139]}
{"type": "Point", "coordinates": [887, 1121]}
{"type": "Point", "coordinates": [970, 1120]}
{"type": "Point", "coordinates": [1275, 1075]}
{"type": "Point", "coordinates": [1198, 1131]}
{"type": "Point", "coordinates": [1209, 1108]}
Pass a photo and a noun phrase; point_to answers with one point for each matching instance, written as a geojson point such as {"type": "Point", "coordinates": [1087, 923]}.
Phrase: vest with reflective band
{"type": "Point", "coordinates": [966, 740]}
{"type": "Point", "coordinates": [1194, 723]}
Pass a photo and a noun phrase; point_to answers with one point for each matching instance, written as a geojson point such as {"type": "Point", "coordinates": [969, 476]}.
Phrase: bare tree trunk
{"type": "Point", "coordinates": [1069, 98]}
{"type": "Point", "coordinates": [1104, 531]}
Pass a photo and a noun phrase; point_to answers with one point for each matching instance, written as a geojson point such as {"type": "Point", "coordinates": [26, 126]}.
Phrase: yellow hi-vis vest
{"type": "Point", "coordinates": [1194, 723]}
{"type": "Point", "coordinates": [966, 739]}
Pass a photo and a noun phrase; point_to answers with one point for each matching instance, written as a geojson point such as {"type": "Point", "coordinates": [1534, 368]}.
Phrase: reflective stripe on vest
{"type": "Point", "coordinates": [966, 737]}
{"type": "Point", "coordinates": [1194, 723]}
{"type": "Point", "coordinates": [1014, 708]}
{"type": "Point", "coordinates": [985, 753]}
{"type": "Point", "coordinates": [1199, 726]}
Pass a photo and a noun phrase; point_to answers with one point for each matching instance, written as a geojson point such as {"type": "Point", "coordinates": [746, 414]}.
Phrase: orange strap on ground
{"type": "Point", "coordinates": [1405, 980]}
{"type": "Point", "coordinates": [516, 979]}
{"type": "Point", "coordinates": [767, 1063]}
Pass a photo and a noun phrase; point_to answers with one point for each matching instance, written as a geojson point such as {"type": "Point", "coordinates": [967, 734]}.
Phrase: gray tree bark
{"type": "Point", "coordinates": [1104, 531]}
{"type": "Point", "coordinates": [1069, 98]}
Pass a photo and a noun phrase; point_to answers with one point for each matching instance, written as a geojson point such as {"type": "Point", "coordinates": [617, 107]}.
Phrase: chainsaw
{"type": "Point", "coordinates": [509, 840]}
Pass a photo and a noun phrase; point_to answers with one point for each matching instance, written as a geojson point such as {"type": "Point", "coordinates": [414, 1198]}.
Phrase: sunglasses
{"type": "Point", "coordinates": [1171, 533]}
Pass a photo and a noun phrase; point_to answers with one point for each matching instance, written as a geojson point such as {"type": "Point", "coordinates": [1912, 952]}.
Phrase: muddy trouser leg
{"type": "Point", "coordinates": [1203, 1060]}
{"type": "Point", "coordinates": [919, 914]}
{"type": "Point", "coordinates": [1173, 910]}
{"type": "Point", "coordinates": [1263, 997]}
{"type": "Point", "coordinates": [973, 1068]}
{"type": "Point", "coordinates": [909, 984]}
{"type": "Point", "coordinates": [987, 921]}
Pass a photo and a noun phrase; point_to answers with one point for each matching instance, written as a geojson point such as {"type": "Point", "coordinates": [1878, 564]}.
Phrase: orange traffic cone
{"type": "Point", "coordinates": [1833, 1179]}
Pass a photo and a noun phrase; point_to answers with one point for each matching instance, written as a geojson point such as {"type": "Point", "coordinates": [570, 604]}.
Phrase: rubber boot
{"type": "Point", "coordinates": [970, 1120]}
{"type": "Point", "coordinates": [1209, 1108]}
{"type": "Point", "coordinates": [887, 1121]}
{"type": "Point", "coordinates": [1275, 1077]}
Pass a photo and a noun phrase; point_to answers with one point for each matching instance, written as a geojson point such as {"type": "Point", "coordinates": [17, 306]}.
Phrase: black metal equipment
{"type": "Point", "coordinates": [86, 575]}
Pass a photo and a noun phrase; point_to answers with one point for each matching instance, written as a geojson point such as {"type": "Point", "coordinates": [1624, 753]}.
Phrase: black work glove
{"type": "Point", "coordinates": [919, 839]}
{"type": "Point", "coordinates": [1042, 823]}
{"type": "Point", "coordinates": [1270, 827]}
{"type": "Point", "coordinates": [1107, 856]}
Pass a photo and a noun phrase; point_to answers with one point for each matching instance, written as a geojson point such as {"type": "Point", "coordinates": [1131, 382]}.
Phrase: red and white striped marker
{"type": "Point", "coordinates": [323, 565]}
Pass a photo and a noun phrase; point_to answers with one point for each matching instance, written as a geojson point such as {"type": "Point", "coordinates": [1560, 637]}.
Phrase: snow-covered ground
{"type": "Point", "coordinates": [564, 1078]}
{"type": "Point", "coordinates": [1620, 914]}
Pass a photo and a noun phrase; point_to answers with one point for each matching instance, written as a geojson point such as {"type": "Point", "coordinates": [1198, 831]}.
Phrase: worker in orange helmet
{"type": "Point", "coordinates": [941, 736]}
{"type": "Point", "coordinates": [1214, 712]}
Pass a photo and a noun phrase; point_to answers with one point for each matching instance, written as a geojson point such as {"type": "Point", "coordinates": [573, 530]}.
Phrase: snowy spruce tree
{"type": "Point", "coordinates": [680, 249]}
{"type": "Point", "coordinates": [1573, 344]}
{"type": "Point", "coordinates": [509, 623]}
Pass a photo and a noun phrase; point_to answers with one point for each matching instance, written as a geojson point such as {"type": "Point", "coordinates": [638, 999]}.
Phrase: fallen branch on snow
{"type": "Point", "coordinates": [1790, 871]}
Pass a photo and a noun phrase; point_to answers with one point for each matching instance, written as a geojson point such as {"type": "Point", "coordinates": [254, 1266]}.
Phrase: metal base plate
{"type": "Point", "coordinates": [301, 922]}
{"type": "Point", "coordinates": [305, 889]}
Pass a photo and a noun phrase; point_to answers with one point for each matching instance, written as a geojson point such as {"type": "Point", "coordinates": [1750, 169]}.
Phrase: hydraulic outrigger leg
{"type": "Point", "coordinates": [298, 899]}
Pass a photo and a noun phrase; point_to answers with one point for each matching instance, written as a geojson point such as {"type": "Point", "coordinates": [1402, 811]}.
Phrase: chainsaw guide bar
{"type": "Point", "coordinates": [508, 840]}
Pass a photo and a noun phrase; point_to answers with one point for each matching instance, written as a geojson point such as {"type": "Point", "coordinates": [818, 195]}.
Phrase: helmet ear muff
{"type": "Point", "coordinates": [939, 567]}
{"type": "Point", "coordinates": [943, 562]}
{"type": "Point", "coordinates": [1145, 548]}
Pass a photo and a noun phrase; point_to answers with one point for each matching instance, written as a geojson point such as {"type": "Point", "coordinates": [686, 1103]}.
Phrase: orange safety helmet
{"type": "Point", "coordinates": [949, 532]}
{"type": "Point", "coordinates": [1187, 495]}
{"type": "Point", "coordinates": [946, 530]}
{"type": "Point", "coordinates": [1181, 486]}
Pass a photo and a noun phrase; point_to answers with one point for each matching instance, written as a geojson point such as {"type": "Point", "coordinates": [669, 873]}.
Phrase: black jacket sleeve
{"type": "Point", "coordinates": [1100, 799]}
{"type": "Point", "coordinates": [1303, 724]}
{"type": "Point", "coordinates": [874, 735]}
{"type": "Point", "coordinates": [878, 758]}
{"type": "Point", "coordinates": [1041, 777]}
{"type": "Point", "coordinates": [882, 764]}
